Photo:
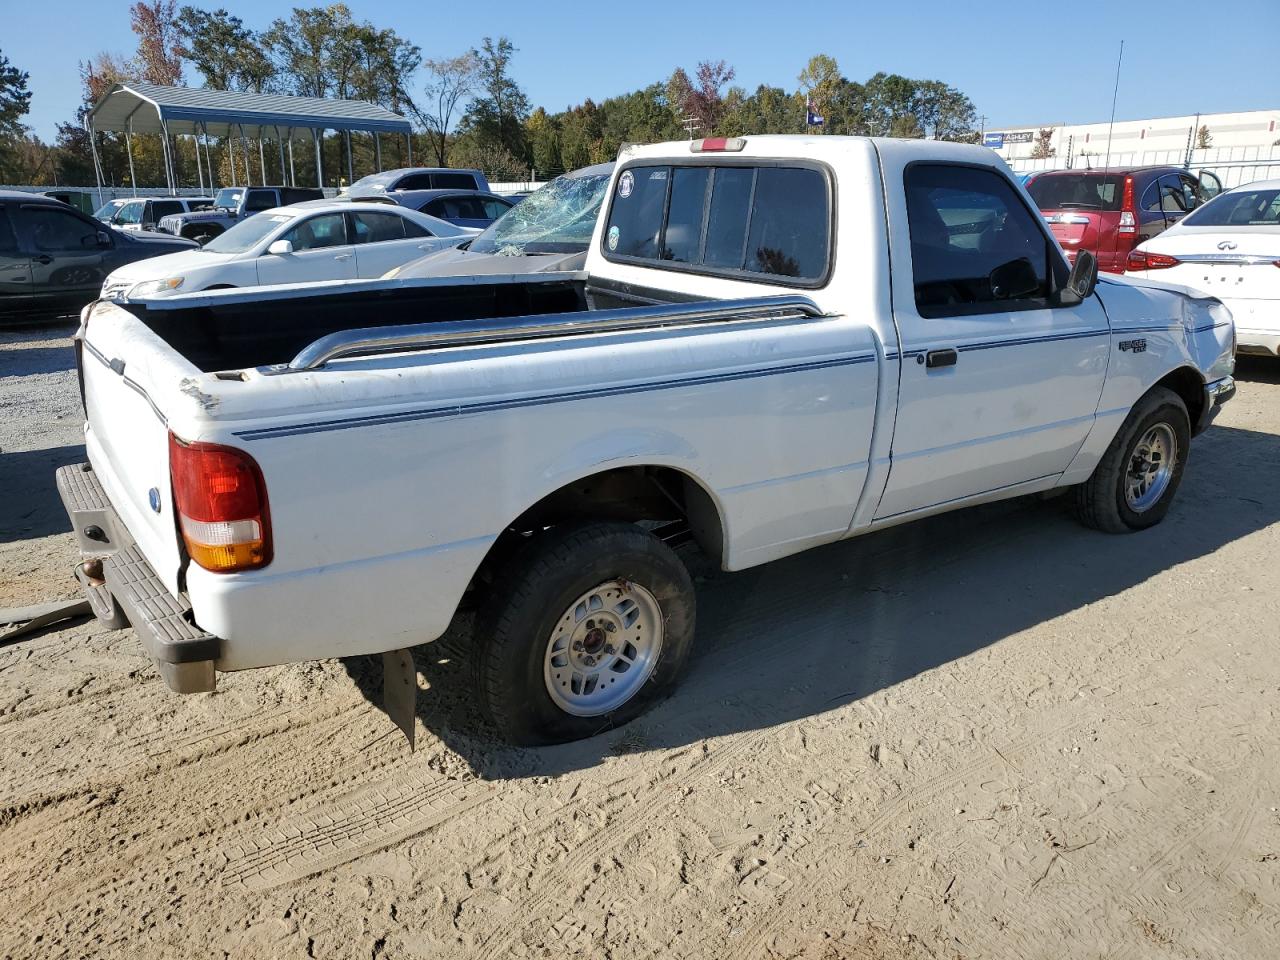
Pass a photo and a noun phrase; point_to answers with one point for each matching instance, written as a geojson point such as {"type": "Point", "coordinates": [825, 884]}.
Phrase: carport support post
{"type": "Point", "coordinates": [168, 156]}
{"type": "Point", "coordinates": [208, 161]}
{"type": "Point", "coordinates": [351, 176]}
{"type": "Point", "coordinates": [231, 155]}
{"type": "Point", "coordinates": [408, 139]}
{"type": "Point", "coordinates": [293, 177]}
{"type": "Point", "coordinates": [315, 135]}
{"type": "Point", "coordinates": [97, 166]}
{"type": "Point", "coordinates": [262, 157]}
{"type": "Point", "coordinates": [244, 152]}
{"type": "Point", "coordinates": [195, 138]}
{"type": "Point", "coordinates": [377, 149]}
{"type": "Point", "coordinates": [280, 150]}
{"type": "Point", "coordinates": [128, 146]}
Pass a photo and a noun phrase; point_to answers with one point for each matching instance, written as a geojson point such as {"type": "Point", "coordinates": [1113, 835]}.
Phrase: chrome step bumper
{"type": "Point", "coordinates": [183, 653]}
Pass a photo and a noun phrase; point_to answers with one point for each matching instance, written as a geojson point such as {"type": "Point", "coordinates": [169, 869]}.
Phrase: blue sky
{"type": "Point", "coordinates": [1020, 62]}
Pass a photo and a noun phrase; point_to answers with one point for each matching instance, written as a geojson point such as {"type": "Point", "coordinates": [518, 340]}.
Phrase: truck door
{"type": "Point", "coordinates": [999, 385]}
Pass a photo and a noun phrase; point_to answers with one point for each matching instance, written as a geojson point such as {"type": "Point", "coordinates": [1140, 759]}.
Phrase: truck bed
{"type": "Point", "coordinates": [234, 329]}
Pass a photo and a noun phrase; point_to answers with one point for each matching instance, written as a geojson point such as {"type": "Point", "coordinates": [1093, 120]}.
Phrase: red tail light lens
{"type": "Point", "coordinates": [222, 506]}
{"type": "Point", "coordinates": [1146, 260]}
{"type": "Point", "coordinates": [1128, 210]}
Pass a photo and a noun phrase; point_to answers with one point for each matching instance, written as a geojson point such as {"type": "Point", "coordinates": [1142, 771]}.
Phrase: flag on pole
{"type": "Point", "coordinates": [812, 117]}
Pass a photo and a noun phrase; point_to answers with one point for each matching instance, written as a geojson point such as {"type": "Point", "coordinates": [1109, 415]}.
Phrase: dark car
{"type": "Point", "coordinates": [462, 208]}
{"type": "Point", "coordinates": [53, 258]}
{"type": "Point", "coordinates": [1109, 212]}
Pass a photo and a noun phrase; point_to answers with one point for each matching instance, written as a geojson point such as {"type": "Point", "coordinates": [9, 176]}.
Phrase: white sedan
{"type": "Point", "coordinates": [1230, 249]}
{"type": "Point", "coordinates": [336, 241]}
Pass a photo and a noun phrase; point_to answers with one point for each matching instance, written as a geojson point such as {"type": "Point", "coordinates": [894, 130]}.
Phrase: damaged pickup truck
{"type": "Point", "coordinates": [777, 342]}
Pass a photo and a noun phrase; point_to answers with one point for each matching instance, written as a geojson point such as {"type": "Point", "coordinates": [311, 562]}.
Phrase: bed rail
{"type": "Point", "coordinates": [464, 333]}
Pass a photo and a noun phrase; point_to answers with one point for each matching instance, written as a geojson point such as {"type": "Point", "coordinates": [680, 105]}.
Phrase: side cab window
{"type": "Point", "coordinates": [259, 200]}
{"type": "Point", "coordinates": [975, 246]}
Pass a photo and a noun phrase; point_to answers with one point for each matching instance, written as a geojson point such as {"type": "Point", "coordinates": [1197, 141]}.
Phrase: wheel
{"type": "Point", "coordinates": [1135, 482]}
{"type": "Point", "coordinates": [202, 237]}
{"type": "Point", "coordinates": [583, 629]}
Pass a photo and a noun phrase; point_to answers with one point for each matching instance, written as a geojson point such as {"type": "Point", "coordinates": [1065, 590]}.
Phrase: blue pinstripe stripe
{"type": "Point", "coordinates": [486, 406]}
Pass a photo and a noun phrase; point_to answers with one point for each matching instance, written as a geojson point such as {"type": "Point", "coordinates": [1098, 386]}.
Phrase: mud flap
{"type": "Point", "coordinates": [400, 691]}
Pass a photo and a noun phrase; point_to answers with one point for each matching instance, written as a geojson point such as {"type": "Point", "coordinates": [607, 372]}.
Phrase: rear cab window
{"type": "Point", "coordinates": [768, 223]}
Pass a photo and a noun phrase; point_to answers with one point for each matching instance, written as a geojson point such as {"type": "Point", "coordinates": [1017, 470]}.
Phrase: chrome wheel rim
{"type": "Point", "coordinates": [1150, 468]}
{"type": "Point", "coordinates": [603, 648]}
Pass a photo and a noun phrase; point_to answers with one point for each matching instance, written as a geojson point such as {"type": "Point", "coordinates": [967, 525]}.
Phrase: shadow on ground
{"type": "Point", "coordinates": [807, 634]}
{"type": "Point", "coordinates": [1257, 369]}
{"type": "Point", "coordinates": [29, 503]}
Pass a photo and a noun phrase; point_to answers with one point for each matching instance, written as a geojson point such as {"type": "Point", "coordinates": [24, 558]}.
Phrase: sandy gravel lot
{"type": "Point", "coordinates": [989, 735]}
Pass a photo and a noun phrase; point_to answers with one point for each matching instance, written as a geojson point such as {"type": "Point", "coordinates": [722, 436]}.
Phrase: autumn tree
{"type": "Point", "coordinates": [159, 56]}
{"type": "Point", "coordinates": [701, 98]}
{"type": "Point", "coordinates": [1042, 149]}
{"type": "Point", "coordinates": [1204, 139]}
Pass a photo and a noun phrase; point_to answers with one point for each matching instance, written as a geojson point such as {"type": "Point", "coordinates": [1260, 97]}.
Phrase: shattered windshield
{"type": "Point", "coordinates": [227, 199]}
{"type": "Point", "coordinates": [556, 218]}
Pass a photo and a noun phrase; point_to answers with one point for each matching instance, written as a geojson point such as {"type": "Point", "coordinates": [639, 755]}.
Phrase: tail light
{"type": "Point", "coordinates": [1128, 210]}
{"type": "Point", "coordinates": [1145, 260]}
{"type": "Point", "coordinates": [222, 506]}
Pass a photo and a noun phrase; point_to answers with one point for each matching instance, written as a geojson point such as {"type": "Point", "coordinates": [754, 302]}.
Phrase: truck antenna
{"type": "Point", "coordinates": [1106, 165]}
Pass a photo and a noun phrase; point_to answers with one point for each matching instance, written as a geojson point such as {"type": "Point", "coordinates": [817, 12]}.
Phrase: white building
{"type": "Point", "coordinates": [1239, 147]}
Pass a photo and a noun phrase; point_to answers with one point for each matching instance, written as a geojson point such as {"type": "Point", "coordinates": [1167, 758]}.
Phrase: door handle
{"type": "Point", "coordinates": [343, 256]}
{"type": "Point", "coordinates": [941, 358]}
{"type": "Point", "coordinates": [43, 259]}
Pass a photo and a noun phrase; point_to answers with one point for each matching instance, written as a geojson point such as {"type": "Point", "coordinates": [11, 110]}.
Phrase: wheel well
{"type": "Point", "coordinates": [668, 500]}
{"type": "Point", "coordinates": [1189, 385]}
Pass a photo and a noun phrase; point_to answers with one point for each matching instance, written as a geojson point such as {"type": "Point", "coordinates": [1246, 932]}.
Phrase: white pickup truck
{"type": "Point", "coordinates": [776, 343]}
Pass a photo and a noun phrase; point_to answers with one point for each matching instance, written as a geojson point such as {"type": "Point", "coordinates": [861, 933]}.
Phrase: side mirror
{"type": "Point", "coordinates": [280, 248]}
{"type": "Point", "coordinates": [1014, 279]}
{"type": "Point", "coordinates": [1084, 277]}
{"type": "Point", "coordinates": [104, 238]}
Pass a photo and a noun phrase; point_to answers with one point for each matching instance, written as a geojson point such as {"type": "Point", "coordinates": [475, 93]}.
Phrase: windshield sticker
{"type": "Point", "coordinates": [658, 175]}
{"type": "Point", "coordinates": [614, 234]}
{"type": "Point", "coordinates": [626, 183]}
{"type": "Point", "coordinates": [280, 218]}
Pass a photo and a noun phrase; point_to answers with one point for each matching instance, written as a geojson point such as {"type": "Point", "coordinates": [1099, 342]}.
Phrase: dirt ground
{"type": "Point", "coordinates": [988, 735]}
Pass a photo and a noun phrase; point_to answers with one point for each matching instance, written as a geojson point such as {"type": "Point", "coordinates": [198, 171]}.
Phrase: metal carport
{"type": "Point", "coordinates": [136, 107]}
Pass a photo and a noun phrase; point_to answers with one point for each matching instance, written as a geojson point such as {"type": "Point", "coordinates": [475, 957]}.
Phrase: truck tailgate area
{"type": "Point", "coordinates": [126, 433]}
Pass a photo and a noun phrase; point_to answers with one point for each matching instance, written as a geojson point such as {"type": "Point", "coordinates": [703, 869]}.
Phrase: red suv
{"type": "Point", "coordinates": [1112, 211]}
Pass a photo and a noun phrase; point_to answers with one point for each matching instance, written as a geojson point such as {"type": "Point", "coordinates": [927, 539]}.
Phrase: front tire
{"type": "Point", "coordinates": [1134, 484]}
{"type": "Point", "coordinates": [584, 629]}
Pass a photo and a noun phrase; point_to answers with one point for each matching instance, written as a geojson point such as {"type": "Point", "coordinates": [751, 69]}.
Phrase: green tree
{"type": "Point", "coordinates": [542, 133]}
{"type": "Point", "coordinates": [15, 103]}
{"type": "Point", "coordinates": [228, 55]}
{"type": "Point", "coordinates": [820, 83]}
{"type": "Point", "coordinates": [497, 114]}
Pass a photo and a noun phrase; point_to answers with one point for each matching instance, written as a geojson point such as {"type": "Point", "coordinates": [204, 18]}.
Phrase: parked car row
{"type": "Point", "coordinates": [54, 258]}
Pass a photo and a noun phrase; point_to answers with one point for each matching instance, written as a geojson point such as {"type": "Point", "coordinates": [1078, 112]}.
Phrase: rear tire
{"type": "Point", "coordinates": [584, 628]}
{"type": "Point", "coordinates": [1134, 484]}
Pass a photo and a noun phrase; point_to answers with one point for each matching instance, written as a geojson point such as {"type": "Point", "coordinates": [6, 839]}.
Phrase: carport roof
{"type": "Point", "coordinates": [188, 111]}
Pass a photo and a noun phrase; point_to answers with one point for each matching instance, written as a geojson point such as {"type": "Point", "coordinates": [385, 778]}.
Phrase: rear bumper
{"type": "Point", "coordinates": [1216, 393]}
{"type": "Point", "coordinates": [1263, 343]}
{"type": "Point", "coordinates": [183, 653]}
